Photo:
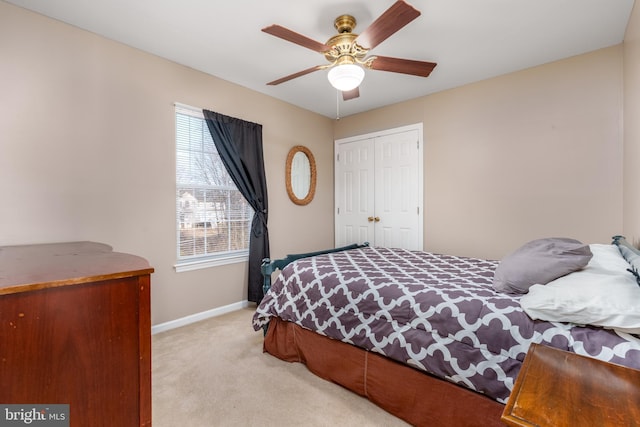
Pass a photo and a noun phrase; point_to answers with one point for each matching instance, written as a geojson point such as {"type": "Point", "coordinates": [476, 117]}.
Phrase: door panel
{"type": "Point", "coordinates": [398, 187]}
{"type": "Point", "coordinates": [354, 192]}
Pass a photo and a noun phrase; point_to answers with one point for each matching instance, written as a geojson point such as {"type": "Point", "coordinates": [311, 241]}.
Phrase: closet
{"type": "Point", "coordinates": [379, 187]}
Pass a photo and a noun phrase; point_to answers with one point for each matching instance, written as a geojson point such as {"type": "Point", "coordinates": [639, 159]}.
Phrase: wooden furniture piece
{"type": "Point", "coordinates": [557, 388]}
{"type": "Point", "coordinates": [75, 329]}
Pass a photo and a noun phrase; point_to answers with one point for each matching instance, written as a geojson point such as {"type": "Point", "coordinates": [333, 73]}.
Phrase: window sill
{"type": "Point", "coordinates": [210, 262]}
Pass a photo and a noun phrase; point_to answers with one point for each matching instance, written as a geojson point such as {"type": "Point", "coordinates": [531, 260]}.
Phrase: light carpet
{"type": "Point", "coordinates": [214, 373]}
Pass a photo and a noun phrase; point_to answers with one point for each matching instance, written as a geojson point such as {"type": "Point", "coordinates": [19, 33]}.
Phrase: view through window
{"type": "Point", "coordinates": [213, 218]}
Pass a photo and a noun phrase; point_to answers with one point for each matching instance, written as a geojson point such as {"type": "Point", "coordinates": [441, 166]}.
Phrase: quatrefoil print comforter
{"type": "Point", "coordinates": [437, 313]}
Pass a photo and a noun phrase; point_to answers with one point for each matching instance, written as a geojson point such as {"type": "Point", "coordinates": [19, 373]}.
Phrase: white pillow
{"type": "Point", "coordinates": [601, 294]}
{"type": "Point", "coordinates": [607, 257]}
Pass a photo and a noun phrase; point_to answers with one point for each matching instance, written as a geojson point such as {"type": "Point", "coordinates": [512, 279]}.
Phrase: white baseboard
{"type": "Point", "coordinates": [192, 318]}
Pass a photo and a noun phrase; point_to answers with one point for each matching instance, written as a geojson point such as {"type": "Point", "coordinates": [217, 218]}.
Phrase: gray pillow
{"type": "Point", "coordinates": [539, 262]}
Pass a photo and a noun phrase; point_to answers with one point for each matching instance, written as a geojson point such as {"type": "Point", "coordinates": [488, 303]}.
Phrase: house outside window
{"type": "Point", "coordinates": [213, 220]}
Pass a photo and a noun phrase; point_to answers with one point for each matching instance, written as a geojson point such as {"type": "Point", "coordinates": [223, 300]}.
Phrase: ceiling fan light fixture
{"type": "Point", "coordinates": [345, 77]}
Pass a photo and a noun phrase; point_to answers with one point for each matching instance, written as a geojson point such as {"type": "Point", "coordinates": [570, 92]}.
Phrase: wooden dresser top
{"type": "Point", "coordinates": [556, 388]}
{"type": "Point", "coordinates": [31, 267]}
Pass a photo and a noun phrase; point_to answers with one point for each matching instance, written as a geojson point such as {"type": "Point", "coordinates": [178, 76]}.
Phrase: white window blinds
{"type": "Point", "coordinates": [213, 218]}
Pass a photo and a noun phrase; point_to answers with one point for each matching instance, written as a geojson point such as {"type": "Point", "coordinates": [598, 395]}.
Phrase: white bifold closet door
{"type": "Point", "coordinates": [378, 189]}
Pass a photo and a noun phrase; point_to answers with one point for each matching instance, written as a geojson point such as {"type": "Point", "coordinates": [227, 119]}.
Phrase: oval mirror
{"type": "Point", "coordinates": [300, 175]}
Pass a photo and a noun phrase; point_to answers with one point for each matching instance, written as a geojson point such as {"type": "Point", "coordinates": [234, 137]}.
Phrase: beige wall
{"type": "Point", "coordinates": [531, 154]}
{"type": "Point", "coordinates": [87, 153]}
{"type": "Point", "coordinates": [632, 127]}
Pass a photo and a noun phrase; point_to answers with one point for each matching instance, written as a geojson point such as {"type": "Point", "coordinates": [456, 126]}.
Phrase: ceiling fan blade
{"type": "Point", "coordinates": [404, 66]}
{"type": "Point", "coordinates": [295, 75]}
{"type": "Point", "coordinates": [392, 20]}
{"type": "Point", "coordinates": [350, 94]}
{"type": "Point", "coordinates": [293, 37]}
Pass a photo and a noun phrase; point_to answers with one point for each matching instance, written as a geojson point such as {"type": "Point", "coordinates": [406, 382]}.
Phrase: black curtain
{"type": "Point", "coordinates": [239, 144]}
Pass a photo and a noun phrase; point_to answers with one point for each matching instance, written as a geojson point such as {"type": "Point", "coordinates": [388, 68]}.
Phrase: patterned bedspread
{"type": "Point", "coordinates": [437, 313]}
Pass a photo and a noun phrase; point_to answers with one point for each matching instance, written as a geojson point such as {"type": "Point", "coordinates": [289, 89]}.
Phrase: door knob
{"type": "Point", "coordinates": [376, 219]}
{"type": "Point", "coordinates": [370, 219]}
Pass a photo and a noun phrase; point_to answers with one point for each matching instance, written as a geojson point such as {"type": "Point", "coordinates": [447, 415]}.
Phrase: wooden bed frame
{"type": "Point", "coordinates": [412, 395]}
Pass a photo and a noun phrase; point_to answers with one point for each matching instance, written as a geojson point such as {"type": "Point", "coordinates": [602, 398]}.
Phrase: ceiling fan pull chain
{"type": "Point", "coordinates": [337, 104]}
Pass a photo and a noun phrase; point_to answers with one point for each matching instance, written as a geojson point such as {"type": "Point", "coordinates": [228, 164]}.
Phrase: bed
{"type": "Point", "coordinates": [430, 337]}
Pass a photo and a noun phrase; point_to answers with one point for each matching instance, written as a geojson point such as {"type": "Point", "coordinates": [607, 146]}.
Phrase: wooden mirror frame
{"type": "Point", "coordinates": [312, 170]}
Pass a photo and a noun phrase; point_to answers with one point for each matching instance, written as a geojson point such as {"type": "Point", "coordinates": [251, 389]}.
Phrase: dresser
{"type": "Point", "coordinates": [75, 329]}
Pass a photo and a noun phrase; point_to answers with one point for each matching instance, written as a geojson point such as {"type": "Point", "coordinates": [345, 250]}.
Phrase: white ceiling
{"type": "Point", "coordinates": [470, 40]}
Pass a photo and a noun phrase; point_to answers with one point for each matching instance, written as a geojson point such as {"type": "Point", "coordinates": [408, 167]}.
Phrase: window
{"type": "Point", "coordinates": [213, 219]}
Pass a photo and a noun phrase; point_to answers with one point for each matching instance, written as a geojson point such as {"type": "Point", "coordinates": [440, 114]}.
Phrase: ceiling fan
{"type": "Point", "coordinates": [347, 51]}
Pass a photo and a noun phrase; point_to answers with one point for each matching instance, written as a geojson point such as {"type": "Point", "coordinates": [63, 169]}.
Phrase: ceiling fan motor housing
{"type": "Point", "coordinates": [344, 49]}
